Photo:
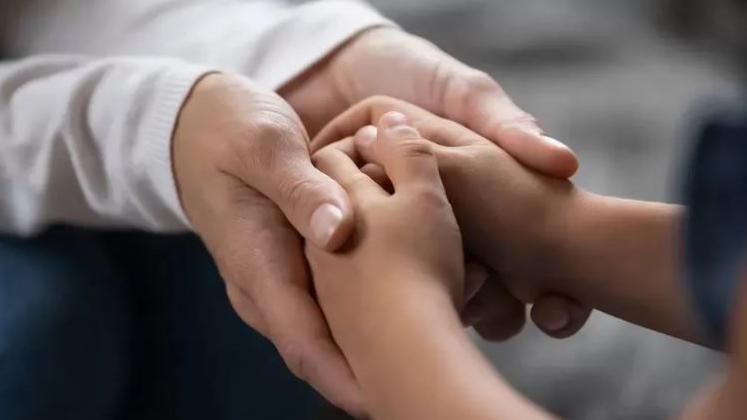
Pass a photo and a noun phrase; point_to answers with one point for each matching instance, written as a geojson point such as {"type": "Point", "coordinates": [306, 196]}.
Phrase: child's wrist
{"type": "Point", "coordinates": [560, 234]}
{"type": "Point", "coordinates": [381, 311]}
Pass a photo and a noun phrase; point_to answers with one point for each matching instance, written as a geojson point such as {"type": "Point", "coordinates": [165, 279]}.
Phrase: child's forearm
{"type": "Point", "coordinates": [622, 257]}
{"type": "Point", "coordinates": [414, 361]}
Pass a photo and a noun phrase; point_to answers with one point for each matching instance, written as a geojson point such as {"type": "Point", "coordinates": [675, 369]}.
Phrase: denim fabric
{"type": "Point", "coordinates": [130, 325]}
{"type": "Point", "coordinates": [716, 225]}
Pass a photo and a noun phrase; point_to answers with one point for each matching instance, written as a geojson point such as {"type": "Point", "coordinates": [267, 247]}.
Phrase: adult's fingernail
{"type": "Point", "coordinates": [324, 223]}
{"type": "Point", "coordinates": [557, 321]}
{"type": "Point", "coordinates": [471, 317]}
{"type": "Point", "coordinates": [554, 142]}
{"type": "Point", "coordinates": [532, 129]}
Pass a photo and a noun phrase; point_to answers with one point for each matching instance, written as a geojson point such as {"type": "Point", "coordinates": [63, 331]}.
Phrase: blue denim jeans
{"type": "Point", "coordinates": [716, 226]}
{"type": "Point", "coordinates": [130, 325]}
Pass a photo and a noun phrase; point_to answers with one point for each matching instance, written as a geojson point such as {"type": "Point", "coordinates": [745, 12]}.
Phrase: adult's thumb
{"type": "Point", "coordinates": [316, 205]}
{"type": "Point", "coordinates": [274, 159]}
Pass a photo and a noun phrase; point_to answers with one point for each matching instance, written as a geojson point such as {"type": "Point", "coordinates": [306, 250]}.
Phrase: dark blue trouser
{"type": "Point", "coordinates": [716, 224]}
{"type": "Point", "coordinates": [130, 325]}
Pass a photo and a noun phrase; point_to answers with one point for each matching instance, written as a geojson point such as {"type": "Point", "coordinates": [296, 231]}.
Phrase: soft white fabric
{"type": "Point", "coordinates": [86, 117]}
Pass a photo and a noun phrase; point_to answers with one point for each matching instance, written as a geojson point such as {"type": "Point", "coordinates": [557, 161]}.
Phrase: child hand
{"type": "Point", "coordinates": [510, 217]}
{"type": "Point", "coordinates": [406, 242]}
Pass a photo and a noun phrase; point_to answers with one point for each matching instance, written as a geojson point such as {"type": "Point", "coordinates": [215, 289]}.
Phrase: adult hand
{"type": "Point", "coordinates": [391, 62]}
{"type": "Point", "coordinates": [246, 182]}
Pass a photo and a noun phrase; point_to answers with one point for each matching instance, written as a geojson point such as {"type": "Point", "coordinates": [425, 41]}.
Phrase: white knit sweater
{"type": "Point", "coordinates": [90, 91]}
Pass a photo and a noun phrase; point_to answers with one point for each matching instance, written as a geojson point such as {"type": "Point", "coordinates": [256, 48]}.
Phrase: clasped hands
{"type": "Point", "coordinates": [427, 191]}
{"type": "Point", "coordinates": [246, 182]}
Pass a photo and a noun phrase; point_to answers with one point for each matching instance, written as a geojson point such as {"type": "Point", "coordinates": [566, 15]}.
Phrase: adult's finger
{"type": "Point", "coordinates": [495, 314]}
{"type": "Point", "coordinates": [337, 162]}
{"type": "Point", "coordinates": [475, 99]}
{"type": "Point", "coordinates": [261, 257]}
{"type": "Point", "coordinates": [277, 163]}
{"type": "Point", "coordinates": [559, 316]}
{"type": "Point", "coordinates": [246, 309]}
{"type": "Point", "coordinates": [475, 276]}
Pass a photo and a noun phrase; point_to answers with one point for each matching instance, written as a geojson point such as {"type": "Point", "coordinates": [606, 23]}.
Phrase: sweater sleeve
{"type": "Point", "coordinates": [87, 141]}
{"type": "Point", "coordinates": [269, 41]}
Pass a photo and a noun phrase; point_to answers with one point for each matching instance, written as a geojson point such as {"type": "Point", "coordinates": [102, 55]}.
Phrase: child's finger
{"type": "Point", "coordinates": [407, 158]}
{"type": "Point", "coordinates": [365, 144]}
{"type": "Point", "coordinates": [346, 146]}
{"type": "Point", "coordinates": [338, 165]}
{"type": "Point", "coordinates": [366, 151]}
{"type": "Point", "coordinates": [367, 111]}
{"type": "Point", "coordinates": [378, 175]}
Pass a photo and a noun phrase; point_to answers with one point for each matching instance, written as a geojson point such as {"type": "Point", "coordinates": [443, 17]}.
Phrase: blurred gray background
{"type": "Point", "coordinates": [621, 82]}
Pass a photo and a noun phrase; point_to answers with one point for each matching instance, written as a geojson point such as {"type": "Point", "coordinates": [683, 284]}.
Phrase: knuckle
{"type": "Point", "coordinates": [466, 90]}
{"type": "Point", "coordinates": [234, 297]}
{"type": "Point", "coordinates": [299, 192]}
{"type": "Point", "coordinates": [431, 125]}
{"type": "Point", "coordinates": [356, 181]}
{"type": "Point", "coordinates": [415, 148]}
{"type": "Point", "coordinates": [319, 158]}
{"type": "Point", "coordinates": [269, 127]}
{"type": "Point", "coordinates": [294, 355]}
{"type": "Point", "coordinates": [269, 138]}
{"type": "Point", "coordinates": [377, 105]}
{"type": "Point", "coordinates": [323, 155]}
{"type": "Point", "coordinates": [403, 132]}
{"type": "Point", "coordinates": [432, 196]}
{"type": "Point", "coordinates": [480, 81]}
{"type": "Point", "coordinates": [521, 120]}
{"type": "Point", "coordinates": [379, 100]}
{"type": "Point", "coordinates": [276, 126]}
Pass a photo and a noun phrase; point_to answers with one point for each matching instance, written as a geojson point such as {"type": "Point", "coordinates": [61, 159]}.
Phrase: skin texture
{"type": "Point", "coordinates": [246, 182]}
{"type": "Point", "coordinates": [542, 235]}
{"type": "Point", "coordinates": [396, 322]}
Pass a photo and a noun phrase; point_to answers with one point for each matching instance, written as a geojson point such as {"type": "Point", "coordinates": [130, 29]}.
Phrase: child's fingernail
{"type": "Point", "coordinates": [393, 119]}
{"type": "Point", "coordinates": [367, 134]}
{"type": "Point", "coordinates": [324, 223]}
